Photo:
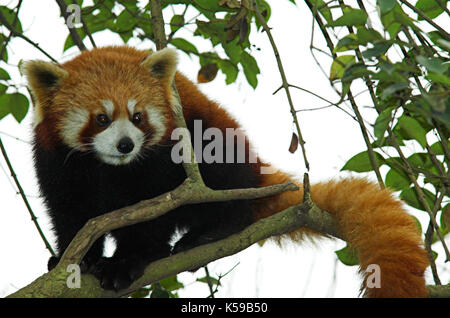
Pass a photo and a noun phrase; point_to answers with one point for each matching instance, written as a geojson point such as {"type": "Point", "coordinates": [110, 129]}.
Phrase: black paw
{"type": "Point", "coordinates": [86, 265]}
{"type": "Point", "coordinates": [89, 263]}
{"type": "Point", "coordinates": [187, 243]}
{"type": "Point", "coordinates": [117, 274]}
{"type": "Point", "coordinates": [52, 262]}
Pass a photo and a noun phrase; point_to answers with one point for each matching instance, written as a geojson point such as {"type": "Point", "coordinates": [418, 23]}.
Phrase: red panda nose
{"type": "Point", "coordinates": [125, 145]}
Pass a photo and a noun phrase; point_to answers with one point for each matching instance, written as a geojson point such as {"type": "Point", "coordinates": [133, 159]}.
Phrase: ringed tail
{"type": "Point", "coordinates": [373, 222]}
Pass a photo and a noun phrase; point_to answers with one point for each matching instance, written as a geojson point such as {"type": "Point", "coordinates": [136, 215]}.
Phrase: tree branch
{"type": "Point", "coordinates": [73, 32]}
{"type": "Point", "coordinates": [85, 27]}
{"type": "Point", "coordinates": [53, 283]}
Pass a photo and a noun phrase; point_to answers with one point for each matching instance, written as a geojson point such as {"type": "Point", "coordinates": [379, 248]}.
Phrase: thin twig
{"type": "Point", "coordinates": [24, 197]}
{"type": "Point", "coordinates": [11, 29]}
{"type": "Point", "coordinates": [443, 6]}
{"type": "Point", "coordinates": [421, 14]}
{"type": "Point", "coordinates": [266, 29]}
{"type": "Point", "coordinates": [419, 192]}
{"type": "Point", "coordinates": [16, 18]}
{"type": "Point", "coordinates": [429, 238]}
{"type": "Point", "coordinates": [209, 282]}
{"type": "Point", "coordinates": [359, 117]}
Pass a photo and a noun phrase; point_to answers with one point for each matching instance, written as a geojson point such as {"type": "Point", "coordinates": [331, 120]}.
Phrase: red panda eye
{"type": "Point", "coordinates": [103, 120]}
{"type": "Point", "coordinates": [137, 118]}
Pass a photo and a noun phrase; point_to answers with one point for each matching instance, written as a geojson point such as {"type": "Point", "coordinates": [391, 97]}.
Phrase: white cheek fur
{"type": "Point", "coordinates": [73, 123]}
{"type": "Point", "coordinates": [105, 143]}
{"type": "Point", "coordinates": [158, 122]}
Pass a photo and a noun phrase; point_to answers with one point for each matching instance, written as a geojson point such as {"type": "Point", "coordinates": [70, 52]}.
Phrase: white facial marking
{"type": "Point", "coordinates": [73, 123]}
{"type": "Point", "coordinates": [131, 104]}
{"type": "Point", "coordinates": [105, 143]}
{"type": "Point", "coordinates": [109, 107]}
{"type": "Point", "coordinates": [158, 122]}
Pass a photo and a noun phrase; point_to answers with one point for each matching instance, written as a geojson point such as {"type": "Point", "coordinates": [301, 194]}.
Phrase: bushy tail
{"type": "Point", "coordinates": [372, 221]}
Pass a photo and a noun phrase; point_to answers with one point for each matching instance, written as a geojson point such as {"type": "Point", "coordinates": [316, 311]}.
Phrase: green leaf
{"type": "Point", "coordinates": [184, 45]}
{"type": "Point", "coordinates": [438, 78]}
{"type": "Point", "coordinates": [350, 17]}
{"type": "Point", "coordinates": [353, 71]}
{"type": "Point", "coordinates": [17, 104]}
{"type": "Point", "coordinates": [126, 35]}
{"type": "Point", "coordinates": [229, 69]}
{"type": "Point", "coordinates": [438, 149]}
{"type": "Point", "coordinates": [171, 283]}
{"type": "Point", "coordinates": [386, 5]}
{"type": "Point", "coordinates": [339, 64]}
{"type": "Point", "coordinates": [4, 75]}
{"type": "Point", "coordinates": [4, 106]}
{"type": "Point", "coordinates": [69, 42]}
{"type": "Point", "coordinates": [211, 5]}
{"type": "Point", "coordinates": [382, 122]}
{"type": "Point", "coordinates": [433, 64]}
{"type": "Point", "coordinates": [419, 226]}
{"type": "Point", "coordinates": [233, 50]}
{"type": "Point", "coordinates": [213, 280]}
{"type": "Point", "coordinates": [413, 129]}
{"type": "Point", "coordinates": [250, 67]}
{"type": "Point", "coordinates": [176, 22]}
{"type": "Point", "coordinates": [437, 39]}
{"type": "Point", "coordinates": [367, 35]}
{"type": "Point", "coordinates": [435, 254]}
{"type": "Point", "coordinates": [348, 256]}
{"type": "Point", "coordinates": [124, 22]}
{"type": "Point", "coordinates": [349, 42]}
{"type": "Point", "coordinates": [410, 197]}
{"type": "Point", "coordinates": [430, 7]}
{"type": "Point", "coordinates": [390, 23]}
{"type": "Point", "coordinates": [10, 16]}
{"type": "Point", "coordinates": [209, 8]}
{"type": "Point", "coordinates": [393, 88]}
{"type": "Point", "coordinates": [323, 9]}
{"type": "Point", "coordinates": [140, 293]}
{"type": "Point", "coordinates": [215, 31]}
{"type": "Point", "coordinates": [397, 180]}
{"type": "Point", "coordinates": [160, 293]}
{"type": "Point", "coordinates": [361, 162]}
{"type": "Point", "coordinates": [378, 49]}
{"type": "Point", "coordinates": [3, 89]}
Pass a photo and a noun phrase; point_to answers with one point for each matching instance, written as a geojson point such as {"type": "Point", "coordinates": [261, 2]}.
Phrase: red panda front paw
{"type": "Point", "coordinates": [52, 262]}
{"type": "Point", "coordinates": [117, 274]}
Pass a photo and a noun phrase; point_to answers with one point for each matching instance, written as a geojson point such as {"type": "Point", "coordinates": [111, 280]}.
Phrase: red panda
{"type": "Point", "coordinates": [103, 140]}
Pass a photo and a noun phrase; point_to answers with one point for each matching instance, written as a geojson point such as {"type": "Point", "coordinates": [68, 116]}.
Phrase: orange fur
{"type": "Point", "coordinates": [371, 221]}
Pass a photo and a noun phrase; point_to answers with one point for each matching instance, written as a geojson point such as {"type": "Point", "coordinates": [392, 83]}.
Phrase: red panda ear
{"type": "Point", "coordinates": [42, 76]}
{"type": "Point", "coordinates": [162, 64]}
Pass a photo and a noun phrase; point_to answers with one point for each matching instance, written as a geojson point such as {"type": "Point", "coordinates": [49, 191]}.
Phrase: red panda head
{"type": "Point", "coordinates": [113, 101]}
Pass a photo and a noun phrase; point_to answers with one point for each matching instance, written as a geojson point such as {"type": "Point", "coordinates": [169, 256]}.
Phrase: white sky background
{"type": "Point", "coordinates": [332, 138]}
